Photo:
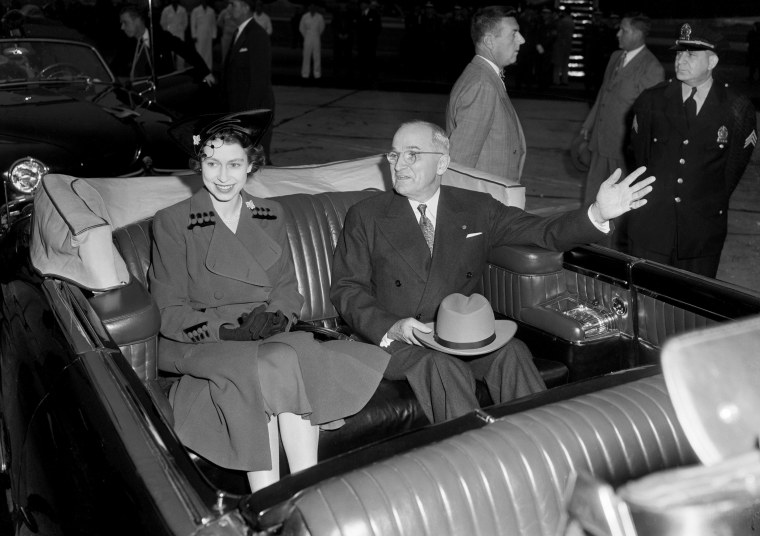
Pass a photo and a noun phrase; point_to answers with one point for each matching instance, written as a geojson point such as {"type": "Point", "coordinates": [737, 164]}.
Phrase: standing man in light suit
{"type": "Point", "coordinates": [631, 70]}
{"type": "Point", "coordinates": [483, 126]}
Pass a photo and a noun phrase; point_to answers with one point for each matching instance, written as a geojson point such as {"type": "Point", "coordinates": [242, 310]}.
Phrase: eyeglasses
{"type": "Point", "coordinates": [410, 157]}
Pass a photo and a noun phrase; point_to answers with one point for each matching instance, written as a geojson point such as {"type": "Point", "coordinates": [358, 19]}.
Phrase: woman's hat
{"type": "Point", "coordinates": [465, 326]}
{"type": "Point", "coordinates": [191, 133]}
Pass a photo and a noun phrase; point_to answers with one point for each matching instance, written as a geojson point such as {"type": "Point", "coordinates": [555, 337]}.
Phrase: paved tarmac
{"type": "Point", "coordinates": [320, 124]}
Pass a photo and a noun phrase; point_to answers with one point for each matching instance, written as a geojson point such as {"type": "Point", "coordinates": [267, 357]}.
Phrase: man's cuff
{"type": "Point", "coordinates": [385, 342]}
{"type": "Point", "coordinates": [603, 226]}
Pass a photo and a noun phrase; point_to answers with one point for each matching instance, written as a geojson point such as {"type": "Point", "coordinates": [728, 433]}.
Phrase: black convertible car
{"type": "Point", "coordinates": [64, 111]}
{"type": "Point", "coordinates": [86, 438]}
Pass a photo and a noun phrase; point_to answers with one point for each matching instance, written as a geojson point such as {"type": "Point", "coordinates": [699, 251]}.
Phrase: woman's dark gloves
{"type": "Point", "coordinates": [258, 324]}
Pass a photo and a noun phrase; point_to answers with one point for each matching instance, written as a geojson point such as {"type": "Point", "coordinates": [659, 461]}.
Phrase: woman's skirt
{"type": "Point", "coordinates": [219, 410]}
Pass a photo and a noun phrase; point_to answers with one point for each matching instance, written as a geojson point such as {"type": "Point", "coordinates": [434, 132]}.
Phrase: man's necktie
{"type": "Point", "coordinates": [619, 65]}
{"type": "Point", "coordinates": [428, 231]}
{"type": "Point", "coordinates": [690, 105]}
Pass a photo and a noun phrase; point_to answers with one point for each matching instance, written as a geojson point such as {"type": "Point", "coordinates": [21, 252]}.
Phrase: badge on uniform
{"type": "Point", "coordinates": [636, 124]}
{"type": "Point", "coordinates": [751, 139]}
{"type": "Point", "coordinates": [722, 136]}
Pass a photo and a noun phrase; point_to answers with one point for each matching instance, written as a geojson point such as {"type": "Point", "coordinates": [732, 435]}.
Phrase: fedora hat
{"type": "Point", "coordinates": [191, 133]}
{"type": "Point", "coordinates": [580, 154]}
{"type": "Point", "coordinates": [465, 326]}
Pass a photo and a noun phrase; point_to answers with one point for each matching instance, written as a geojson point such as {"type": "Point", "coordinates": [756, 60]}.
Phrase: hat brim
{"type": "Point", "coordinates": [505, 330]}
{"type": "Point", "coordinates": [185, 132]}
{"type": "Point", "coordinates": [694, 45]}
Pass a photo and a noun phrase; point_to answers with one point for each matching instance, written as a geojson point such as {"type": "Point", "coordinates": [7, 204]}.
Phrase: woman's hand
{"type": "Point", "coordinates": [258, 324]}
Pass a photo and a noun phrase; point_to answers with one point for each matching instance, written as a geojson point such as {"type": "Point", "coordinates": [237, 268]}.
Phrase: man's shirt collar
{"type": "Point", "coordinates": [432, 207]}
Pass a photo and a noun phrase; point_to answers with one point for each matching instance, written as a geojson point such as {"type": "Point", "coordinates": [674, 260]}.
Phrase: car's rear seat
{"type": "Point", "coordinates": [314, 223]}
{"type": "Point", "coordinates": [511, 476]}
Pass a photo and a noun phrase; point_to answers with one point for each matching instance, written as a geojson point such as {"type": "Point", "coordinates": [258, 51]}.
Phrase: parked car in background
{"type": "Point", "coordinates": [63, 111]}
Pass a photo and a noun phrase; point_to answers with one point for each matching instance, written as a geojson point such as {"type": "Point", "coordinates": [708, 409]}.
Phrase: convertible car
{"type": "Point", "coordinates": [86, 438]}
{"type": "Point", "coordinates": [64, 111]}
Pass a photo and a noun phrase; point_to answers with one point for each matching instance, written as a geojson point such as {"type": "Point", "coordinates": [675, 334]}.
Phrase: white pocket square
{"type": "Point", "coordinates": [244, 49]}
{"type": "Point", "coordinates": [473, 234]}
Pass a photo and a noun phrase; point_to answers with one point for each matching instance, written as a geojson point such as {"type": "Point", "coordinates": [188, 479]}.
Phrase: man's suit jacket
{"type": "Point", "coordinates": [697, 168]}
{"type": "Point", "coordinates": [609, 119]}
{"type": "Point", "coordinates": [483, 126]}
{"type": "Point", "coordinates": [382, 269]}
{"type": "Point", "coordinates": [247, 78]}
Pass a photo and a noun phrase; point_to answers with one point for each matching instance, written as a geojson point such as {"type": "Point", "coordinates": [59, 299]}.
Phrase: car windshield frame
{"type": "Point", "coordinates": [32, 61]}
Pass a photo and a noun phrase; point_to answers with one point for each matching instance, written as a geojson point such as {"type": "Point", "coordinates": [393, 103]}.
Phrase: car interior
{"type": "Point", "coordinates": [595, 320]}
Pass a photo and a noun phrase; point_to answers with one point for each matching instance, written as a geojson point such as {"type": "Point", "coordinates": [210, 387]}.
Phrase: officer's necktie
{"type": "Point", "coordinates": [428, 231]}
{"type": "Point", "coordinates": [690, 105]}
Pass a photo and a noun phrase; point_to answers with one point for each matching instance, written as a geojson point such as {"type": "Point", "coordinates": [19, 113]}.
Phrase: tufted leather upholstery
{"type": "Point", "coordinates": [314, 225]}
{"type": "Point", "coordinates": [508, 477]}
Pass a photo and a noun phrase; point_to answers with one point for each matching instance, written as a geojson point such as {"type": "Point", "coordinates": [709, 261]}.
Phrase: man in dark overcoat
{"type": "Point", "coordinates": [696, 135]}
{"type": "Point", "coordinates": [389, 279]}
{"type": "Point", "coordinates": [247, 76]}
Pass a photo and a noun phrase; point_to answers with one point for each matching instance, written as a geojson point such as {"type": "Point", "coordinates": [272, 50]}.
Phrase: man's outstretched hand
{"type": "Point", "coordinates": [616, 197]}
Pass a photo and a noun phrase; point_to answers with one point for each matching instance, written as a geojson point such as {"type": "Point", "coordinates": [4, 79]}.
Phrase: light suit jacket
{"type": "Point", "coordinates": [609, 119]}
{"type": "Point", "coordinates": [482, 124]}
{"type": "Point", "coordinates": [382, 269]}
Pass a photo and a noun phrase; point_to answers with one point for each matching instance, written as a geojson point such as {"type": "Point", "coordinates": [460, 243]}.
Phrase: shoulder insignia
{"type": "Point", "coordinates": [751, 139]}
{"type": "Point", "coordinates": [636, 124]}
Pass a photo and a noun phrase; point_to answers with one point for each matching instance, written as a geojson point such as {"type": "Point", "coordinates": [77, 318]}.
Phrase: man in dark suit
{"type": "Point", "coordinates": [368, 26]}
{"type": "Point", "coordinates": [247, 78]}
{"type": "Point", "coordinates": [389, 279]}
{"type": "Point", "coordinates": [160, 54]}
{"type": "Point", "coordinates": [696, 135]}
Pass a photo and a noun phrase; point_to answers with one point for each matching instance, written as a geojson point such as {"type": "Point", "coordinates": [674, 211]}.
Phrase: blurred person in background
{"type": "Point", "coordinates": [312, 26]}
{"type": "Point", "coordinates": [203, 31]}
{"type": "Point", "coordinates": [631, 70]}
{"type": "Point", "coordinates": [261, 18]}
{"type": "Point", "coordinates": [247, 75]}
{"type": "Point", "coordinates": [174, 21]}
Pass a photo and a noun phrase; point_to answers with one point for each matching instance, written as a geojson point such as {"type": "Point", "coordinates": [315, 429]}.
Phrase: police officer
{"type": "Point", "coordinates": [696, 135]}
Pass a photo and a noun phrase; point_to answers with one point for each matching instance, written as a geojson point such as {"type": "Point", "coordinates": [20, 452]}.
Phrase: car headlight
{"type": "Point", "coordinates": [25, 174]}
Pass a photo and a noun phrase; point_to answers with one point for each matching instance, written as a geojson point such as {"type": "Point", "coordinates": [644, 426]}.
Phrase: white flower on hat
{"type": "Point", "coordinates": [250, 205]}
{"type": "Point", "coordinates": [196, 139]}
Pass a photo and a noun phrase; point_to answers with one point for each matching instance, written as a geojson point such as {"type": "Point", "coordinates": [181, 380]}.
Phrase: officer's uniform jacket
{"type": "Point", "coordinates": [696, 168]}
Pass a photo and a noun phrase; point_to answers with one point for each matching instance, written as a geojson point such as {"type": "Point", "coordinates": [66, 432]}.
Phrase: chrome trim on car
{"type": "Point", "coordinates": [25, 174]}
